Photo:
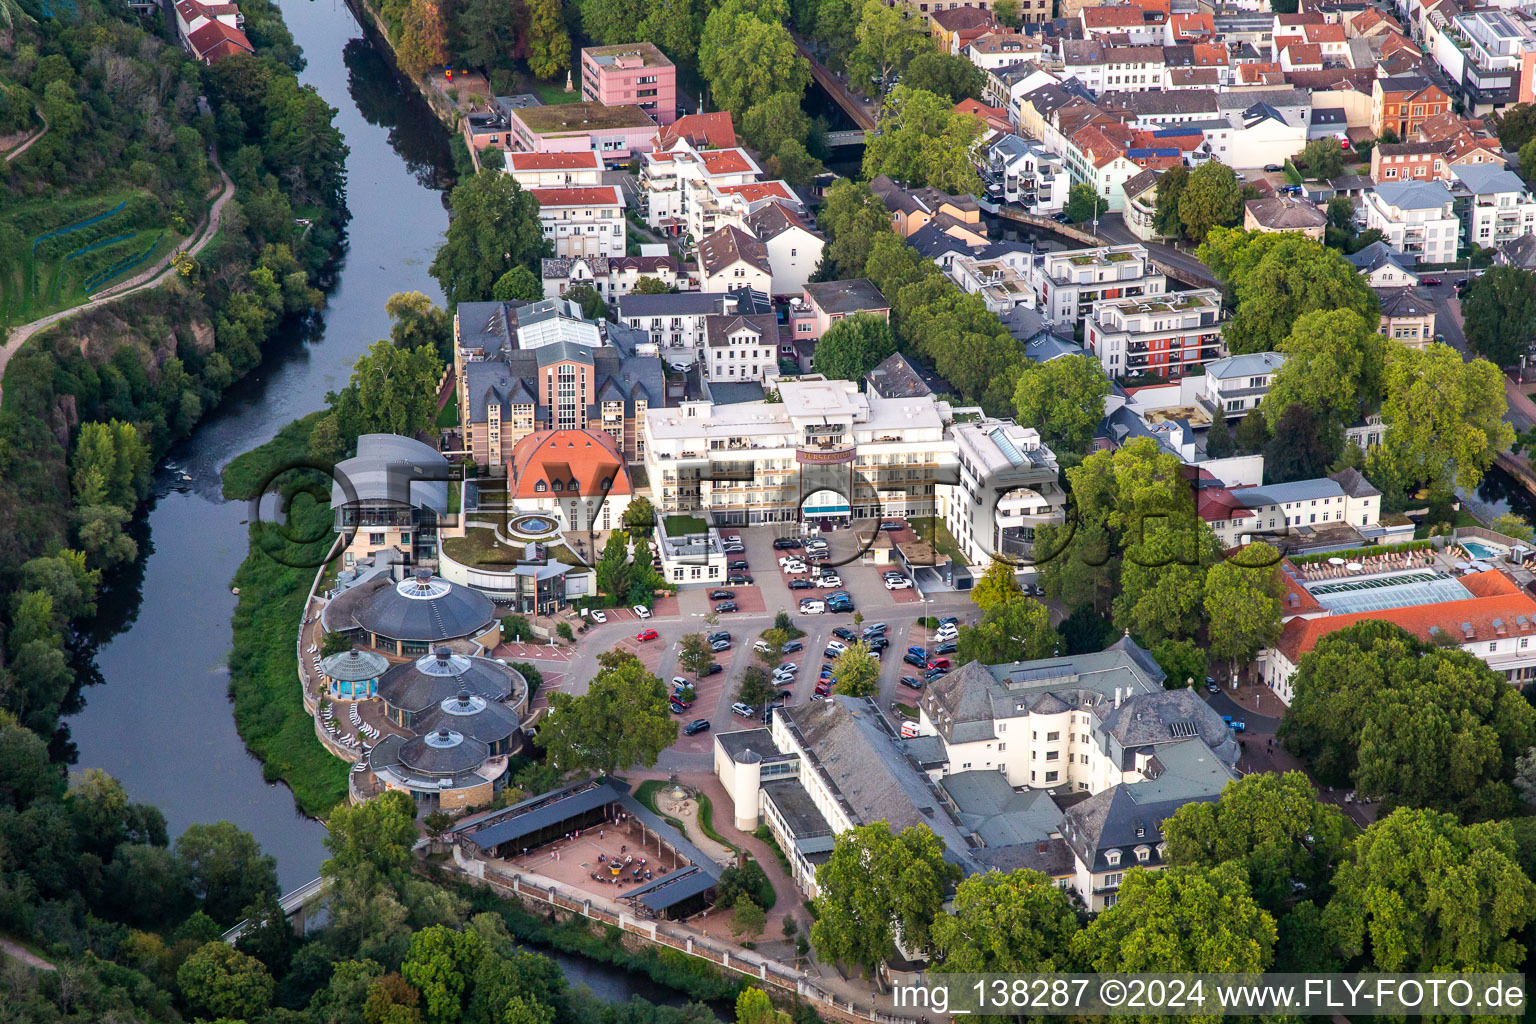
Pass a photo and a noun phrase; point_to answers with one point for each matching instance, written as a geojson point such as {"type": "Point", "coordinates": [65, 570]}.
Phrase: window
{"type": "Point", "coordinates": [1114, 878]}
{"type": "Point", "coordinates": [559, 487]}
{"type": "Point", "coordinates": [1052, 755]}
{"type": "Point", "coordinates": [1052, 737]}
{"type": "Point", "coordinates": [1052, 776]}
{"type": "Point", "coordinates": [540, 487]}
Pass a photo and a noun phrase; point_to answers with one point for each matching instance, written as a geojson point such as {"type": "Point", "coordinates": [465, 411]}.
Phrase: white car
{"type": "Point", "coordinates": [945, 636]}
{"type": "Point", "coordinates": [898, 584]}
{"type": "Point", "coordinates": [641, 611]}
{"type": "Point", "coordinates": [836, 645]}
{"type": "Point", "coordinates": [797, 568]}
{"type": "Point", "coordinates": [599, 617]}
{"type": "Point", "coordinates": [680, 681]}
{"type": "Point", "coordinates": [791, 560]}
{"type": "Point", "coordinates": [831, 581]}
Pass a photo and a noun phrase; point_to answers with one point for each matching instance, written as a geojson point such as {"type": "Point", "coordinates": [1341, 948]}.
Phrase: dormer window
{"type": "Point", "coordinates": [1112, 858]}
{"type": "Point", "coordinates": [1142, 853]}
{"type": "Point", "coordinates": [607, 483]}
{"type": "Point", "coordinates": [559, 487]}
{"type": "Point", "coordinates": [540, 487]}
{"type": "Point", "coordinates": [573, 486]}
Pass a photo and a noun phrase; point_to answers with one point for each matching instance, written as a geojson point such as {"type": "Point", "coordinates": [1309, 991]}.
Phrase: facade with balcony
{"type": "Point", "coordinates": [1493, 204]}
{"type": "Point", "coordinates": [999, 281]}
{"type": "Point", "coordinates": [824, 453]}
{"type": "Point", "coordinates": [1007, 487]}
{"type": "Point", "coordinates": [1068, 284]}
{"type": "Point", "coordinates": [1489, 55]}
{"type": "Point", "coordinates": [1415, 217]}
{"type": "Point", "coordinates": [1170, 336]}
{"type": "Point", "coordinates": [1236, 385]}
{"type": "Point", "coordinates": [1025, 172]}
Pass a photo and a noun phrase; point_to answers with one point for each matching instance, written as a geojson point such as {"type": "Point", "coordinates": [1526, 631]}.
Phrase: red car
{"type": "Point", "coordinates": [1429, 282]}
{"type": "Point", "coordinates": [646, 634]}
{"type": "Point", "coordinates": [939, 663]}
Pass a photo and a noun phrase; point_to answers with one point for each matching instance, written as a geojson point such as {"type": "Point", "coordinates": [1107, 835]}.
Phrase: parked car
{"type": "Point", "coordinates": [800, 584]}
{"type": "Point", "coordinates": [901, 583]}
{"type": "Point", "coordinates": [739, 564]}
{"type": "Point", "coordinates": [787, 544]}
{"type": "Point", "coordinates": [947, 647]}
{"type": "Point", "coordinates": [725, 606]}
{"type": "Point", "coordinates": [714, 667]}
{"type": "Point", "coordinates": [876, 629]}
{"type": "Point", "coordinates": [919, 651]}
{"type": "Point", "coordinates": [797, 568]}
{"type": "Point", "coordinates": [939, 663]}
{"type": "Point", "coordinates": [935, 673]}
{"type": "Point", "coordinates": [893, 526]}
{"type": "Point", "coordinates": [844, 633]}
{"type": "Point", "coordinates": [718, 635]}
{"type": "Point", "coordinates": [762, 647]}
{"type": "Point", "coordinates": [674, 707]}
{"type": "Point", "coordinates": [910, 729]}
{"type": "Point", "coordinates": [792, 646]}
{"type": "Point", "coordinates": [739, 579]}
{"type": "Point", "coordinates": [696, 726]}
{"type": "Point", "coordinates": [843, 605]}
{"type": "Point", "coordinates": [830, 581]}
{"type": "Point", "coordinates": [948, 620]}
{"type": "Point", "coordinates": [720, 645]}
{"type": "Point", "coordinates": [1235, 724]}
{"type": "Point", "coordinates": [911, 681]}
{"type": "Point", "coordinates": [646, 634]}
{"type": "Point", "coordinates": [641, 611]}
{"type": "Point", "coordinates": [916, 660]}
{"type": "Point", "coordinates": [685, 704]}
{"type": "Point", "coordinates": [1273, 168]}
{"type": "Point", "coordinates": [599, 617]}
{"type": "Point", "coordinates": [811, 606]}
{"type": "Point", "coordinates": [1429, 282]}
{"type": "Point", "coordinates": [744, 710]}
{"type": "Point", "coordinates": [721, 595]}
{"type": "Point", "coordinates": [833, 652]}
{"type": "Point", "coordinates": [879, 643]}
{"type": "Point", "coordinates": [678, 682]}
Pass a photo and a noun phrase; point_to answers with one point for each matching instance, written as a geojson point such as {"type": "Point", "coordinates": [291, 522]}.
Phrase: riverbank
{"type": "Point", "coordinates": [273, 583]}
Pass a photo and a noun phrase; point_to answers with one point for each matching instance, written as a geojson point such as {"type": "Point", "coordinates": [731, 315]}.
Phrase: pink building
{"type": "Point", "coordinates": [614, 133]}
{"type": "Point", "coordinates": [824, 303]}
{"type": "Point", "coordinates": [635, 73]}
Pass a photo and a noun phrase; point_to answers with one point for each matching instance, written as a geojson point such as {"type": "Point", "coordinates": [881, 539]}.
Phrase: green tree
{"type": "Point", "coordinates": [1063, 398]}
{"type": "Point", "coordinates": [775, 119]}
{"type": "Point", "coordinates": [1517, 127]}
{"type": "Point", "coordinates": [1182, 662]}
{"type": "Point", "coordinates": [1500, 312]}
{"type": "Point", "coordinates": [747, 918]}
{"type": "Point", "coordinates": [1219, 443]}
{"type": "Point", "coordinates": [1166, 218]}
{"type": "Point", "coordinates": [549, 44]}
{"type": "Point", "coordinates": [67, 581]}
{"type": "Point", "coordinates": [1512, 524]}
{"type": "Point", "coordinates": [438, 966]}
{"type": "Point", "coordinates": [219, 981]}
{"type": "Point", "coordinates": [756, 688]}
{"type": "Point", "coordinates": [1162, 580]}
{"type": "Point", "coordinates": [611, 21]}
{"type": "Point", "coordinates": [949, 75]}
{"type": "Point", "coordinates": [1527, 157]}
{"type": "Point", "coordinates": [392, 391]}
{"type": "Point", "coordinates": [372, 838]}
{"type": "Point", "coordinates": [226, 868]}
{"type": "Point", "coordinates": [62, 110]}
{"type": "Point", "coordinates": [1242, 603]}
{"type": "Point", "coordinates": [694, 655]}
{"type": "Point", "coordinates": [873, 884]}
{"type": "Point", "coordinates": [1018, 629]}
{"type": "Point", "coordinates": [1180, 920]}
{"type": "Point", "coordinates": [1211, 198]}
{"type": "Point", "coordinates": [754, 1007]}
{"type": "Point", "coordinates": [856, 671]}
{"type": "Point", "coordinates": [1007, 12]}
{"type": "Point", "coordinates": [923, 140]}
{"type": "Point", "coordinates": [1341, 214]}
{"type": "Point", "coordinates": [647, 285]}
{"type": "Point", "coordinates": [1323, 158]}
{"type": "Point", "coordinates": [620, 721]}
{"type": "Point", "coordinates": [884, 41]}
{"type": "Point", "coordinates": [853, 346]}
{"type": "Point", "coordinates": [1252, 432]}
{"type": "Point", "coordinates": [747, 55]}
{"type": "Point", "coordinates": [1083, 204]}
{"type": "Point", "coordinates": [997, 585]}
{"type": "Point", "coordinates": [1334, 362]}
{"type": "Point", "coordinates": [853, 218]}
{"type": "Point", "coordinates": [774, 641]}
{"type": "Point", "coordinates": [1303, 446]}
{"type": "Point", "coordinates": [1015, 923]}
{"type": "Point", "coordinates": [1288, 843]}
{"type": "Point", "coordinates": [494, 227]}
{"type": "Point", "coordinates": [518, 285]}
{"type": "Point", "coordinates": [794, 163]}
{"type": "Point", "coordinates": [592, 305]}
{"type": "Point", "coordinates": [1422, 893]}
{"type": "Point", "coordinates": [422, 42]}
{"type": "Point", "coordinates": [612, 569]}
{"type": "Point", "coordinates": [1274, 279]}
{"type": "Point", "coordinates": [1445, 417]}
{"type": "Point", "coordinates": [640, 517]}
{"type": "Point", "coordinates": [416, 323]}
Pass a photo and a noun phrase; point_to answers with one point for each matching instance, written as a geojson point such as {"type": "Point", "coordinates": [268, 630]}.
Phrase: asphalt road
{"type": "Point", "coordinates": [1112, 231]}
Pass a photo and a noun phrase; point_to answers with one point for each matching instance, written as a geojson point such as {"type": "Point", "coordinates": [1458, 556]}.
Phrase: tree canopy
{"type": "Point", "coordinates": [1212, 197]}
{"type": "Point", "coordinates": [949, 75]}
{"type": "Point", "coordinates": [1242, 603]}
{"type": "Point", "coordinates": [621, 720]}
{"type": "Point", "coordinates": [1063, 398]}
{"type": "Point", "coordinates": [746, 55]}
{"type": "Point", "coordinates": [923, 140]}
{"type": "Point", "coordinates": [1445, 417]}
{"type": "Point", "coordinates": [494, 227]}
{"type": "Point", "coordinates": [1019, 922]}
{"type": "Point", "coordinates": [1500, 312]}
{"type": "Point", "coordinates": [1334, 363]}
{"type": "Point", "coordinates": [853, 346]}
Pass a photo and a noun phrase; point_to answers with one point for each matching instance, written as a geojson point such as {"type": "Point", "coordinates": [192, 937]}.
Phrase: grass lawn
{"type": "Point", "coordinates": [480, 549]}
{"type": "Point", "coordinates": [553, 93]}
{"type": "Point", "coordinates": [449, 417]}
{"type": "Point", "coordinates": [679, 525]}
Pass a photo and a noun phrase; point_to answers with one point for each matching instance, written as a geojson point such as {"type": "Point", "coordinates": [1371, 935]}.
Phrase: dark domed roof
{"type": "Point", "coordinates": [443, 752]}
{"type": "Point", "coordinates": [422, 684]}
{"type": "Point", "coordinates": [484, 720]}
{"type": "Point", "coordinates": [424, 608]}
{"type": "Point", "coordinates": [354, 666]}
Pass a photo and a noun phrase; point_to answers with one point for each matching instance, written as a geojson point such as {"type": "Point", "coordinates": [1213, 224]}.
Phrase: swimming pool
{"type": "Point", "coordinates": [1479, 550]}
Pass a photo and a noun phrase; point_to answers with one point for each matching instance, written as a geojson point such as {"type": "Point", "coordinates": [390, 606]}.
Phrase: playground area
{"type": "Point", "coordinates": [71, 249]}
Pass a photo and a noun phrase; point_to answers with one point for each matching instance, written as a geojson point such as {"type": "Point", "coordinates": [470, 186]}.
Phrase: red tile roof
{"type": "Point", "coordinates": [594, 195]}
{"type": "Point", "coordinates": [1192, 26]}
{"type": "Point", "coordinates": [215, 40]}
{"type": "Point", "coordinates": [1210, 55]}
{"type": "Point", "coordinates": [555, 161]}
{"type": "Point", "coordinates": [962, 18]}
{"type": "Point", "coordinates": [760, 190]}
{"type": "Point", "coordinates": [1113, 17]}
{"type": "Point", "coordinates": [586, 456]}
{"type": "Point", "coordinates": [1323, 33]}
{"type": "Point", "coordinates": [713, 129]}
{"type": "Point", "coordinates": [1304, 53]}
{"type": "Point", "coordinates": [1494, 596]}
{"type": "Point", "coordinates": [1248, 74]}
{"type": "Point", "coordinates": [726, 161]}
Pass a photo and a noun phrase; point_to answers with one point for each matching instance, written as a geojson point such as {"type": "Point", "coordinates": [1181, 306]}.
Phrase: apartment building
{"type": "Point", "coordinates": [1002, 49]}
{"type": "Point", "coordinates": [1235, 385]}
{"type": "Point", "coordinates": [1415, 217]}
{"type": "Point", "coordinates": [794, 250]}
{"type": "Point", "coordinates": [730, 258]}
{"type": "Point", "coordinates": [555, 170]}
{"type": "Point", "coordinates": [741, 348]}
{"type": "Point", "coordinates": [583, 221]}
{"type": "Point", "coordinates": [954, 28]}
{"type": "Point", "coordinates": [1102, 67]}
{"type": "Point", "coordinates": [1490, 55]}
{"type": "Point", "coordinates": [610, 277]}
{"type": "Point", "coordinates": [1027, 173]}
{"type": "Point", "coordinates": [1403, 102]}
{"type": "Point", "coordinates": [1001, 280]}
{"type": "Point", "coordinates": [1300, 508]}
{"type": "Point", "coordinates": [614, 133]}
{"type": "Point", "coordinates": [823, 303]}
{"type": "Point", "coordinates": [1493, 203]}
{"type": "Point", "coordinates": [680, 187]}
{"type": "Point", "coordinates": [673, 321]}
{"type": "Point", "coordinates": [825, 453]}
{"type": "Point", "coordinates": [1007, 488]}
{"type": "Point", "coordinates": [1170, 335]}
{"type": "Point", "coordinates": [626, 73]}
{"type": "Point", "coordinates": [1069, 283]}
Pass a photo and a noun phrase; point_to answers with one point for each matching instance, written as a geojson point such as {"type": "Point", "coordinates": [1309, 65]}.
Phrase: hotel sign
{"type": "Point", "coordinates": [839, 456]}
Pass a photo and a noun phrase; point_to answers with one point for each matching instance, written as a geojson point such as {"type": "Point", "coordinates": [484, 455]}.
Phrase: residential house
{"type": "Point", "coordinates": [1489, 55]}
{"type": "Point", "coordinates": [1070, 283]}
{"type": "Point", "coordinates": [1407, 315]}
{"type": "Point", "coordinates": [1493, 203]}
{"type": "Point", "coordinates": [730, 259]}
{"type": "Point", "coordinates": [631, 73]}
{"type": "Point", "coordinates": [741, 348]}
{"type": "Point", "coordinates": [1025, 172]}
{"type": "Point", "coordinates": [1403, 102]}
{"type": "Point", "coordinates": [610, 276]}
{"type": "Point", "coordinates": [615, 133]}
{"type": "Point", "coordinates": [211, 32]}
{"type": "Point", "coordinates": [794, 250]}
{"type": "Point", "coordinates": [1302, 509]}
{"type": "Point", "coordinates": [1140, 209]}
{"type": "Point", "coordinates": [555, 170]}
{"type": "Point", "coordinates": [1003, 48]}
{"type": "Point", "coordinates": [1236, 385]}
{"type": "Point", "coordinates": [824, 303]}
{"type": "Point", "coordinates": [673, 321]}
{"type": "Point", "coordinates": [1102, 67]}
{"type": "Point", "coordinates": [1123, 23]}
{"type": "Point", "coordinates": [913, 208]}
{"type": "Point", "coordinates": [1384, 266]}
{"type": "Point", "coordinates": [955, 28]}
{"type": "Point", "coordinates": [1280, 214]}
{"type": "Point", "coordinates": [701, 131]}
{"type": "Point", "coordinates": [583, 221]}
{"type": "Point", "coordinates": [1415, 217]}
{"type": "Point", "coordinates": [1169, 335]}
{"type": "Point", "coordinates": [1410, 161]}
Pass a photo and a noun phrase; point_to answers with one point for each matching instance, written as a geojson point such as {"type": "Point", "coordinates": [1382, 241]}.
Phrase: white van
{"type": "Point", "coordinates": [811, 606]}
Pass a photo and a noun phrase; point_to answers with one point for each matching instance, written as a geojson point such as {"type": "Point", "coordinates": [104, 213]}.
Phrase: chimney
{"type": "Point", "coordinates": [1117, 696]}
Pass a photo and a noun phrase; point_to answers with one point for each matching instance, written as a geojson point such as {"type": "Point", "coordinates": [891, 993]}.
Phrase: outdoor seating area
{"type": "Point", "coordinates": [1339, 567]}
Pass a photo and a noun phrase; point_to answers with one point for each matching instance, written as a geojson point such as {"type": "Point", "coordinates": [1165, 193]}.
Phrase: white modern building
{"type": "Point", "coordinates": [1069, 283]}
{"type": "Point", "coordinates": [1237, 384]}
{"type": "Point", "coordinates": [1008, 487]}
{"type": "Point", "coordinates": [1024, 172]}
{"type": "Point", "coordinates": [1170, 335]}
{"type": "Point", "coordinates": [1000, 280]}
{"type": "Point", "coordinates": [1415, 217]}
{"type": "Point", "coordinates": [674, 320]}
{"type": "Point", "coordinates": [1494, 204]}
{"type": "Point", "coordinates": [555, 170]}
{"type": "Point", "coordinates": [584, 220]}
{"type": "Point", "coordinates": [741, 348]}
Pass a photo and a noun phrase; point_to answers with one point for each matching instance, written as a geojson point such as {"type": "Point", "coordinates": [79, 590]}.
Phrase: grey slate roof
{"type": "Point", "coordinates": [354, 666]}
{"type": "Point", "coordinates": [1481, 179]}
{"type": "Point", "coordinates": [846, 297]}
{"type": "Point", "coordinates": [380, 606]}
{"type": "Point", "coordinates": [485, 720]}
{"type": "Point", "coordinates": [422, 685]}
{"type": "Point", "coordinates": [443, 753]}
{"type": "Point", "coordinates": [1163, 104]}
{"type": "Point", "coordinates": [1404, 301]}
{"type": "Point", "coordinates": [1254, 364]}
{"type": "Point", "coordinates": [1354, 483]}
{"type": "Point", "coordinates": [719, 327]}
{"type": "Point", "coordinates": [895, 377]}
